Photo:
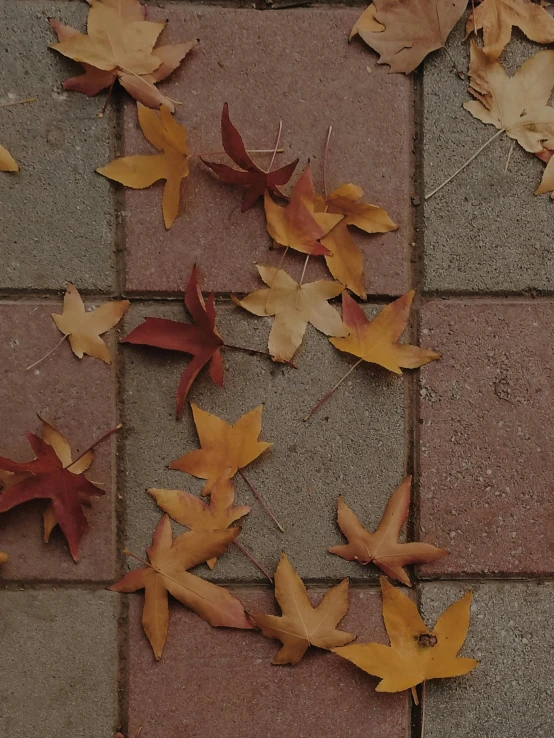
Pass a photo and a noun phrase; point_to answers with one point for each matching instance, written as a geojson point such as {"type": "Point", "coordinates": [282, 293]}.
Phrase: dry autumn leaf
{"type": "Point", "coordinates": [411, 30]}
{"type": "Point", "coordinates": [167, 574]}
{"type": "Point", "coordinates": [382, 547]}
{"type": "Point", "coordinates": [61, 446]}
{"type": "Point", "coordinates": [249, 175]}
{"type": "Point", "coordinates": [518, 105]}
{"type": "Point", "coordinates": [7, 162]}
{"type": "Point", "coordinates": [296, 225]}
{"type": "Point", "coordinates": [138, 172]}
{"type": "Point", "coordinates": [84, 328]}
{"type": "Point", "coordinates": [3, 557]}
{"type": "Point", "coordinates": [415, 654]}
{"type": "Point", "coordinates": [47, 477]}
{"type": "Point", "coordinates": [366, 23]}
{"type": "Point", "coordinates": [344, 259]}
{"type": "Point", "coordinates": [192, 512]}
{"type": "Point", "coordinates": [120, 45]}
{"type": "Point", "coordinates": [201, 339]}
{"type": "Point", "coordinates": [224, 448]}
{"type": "Point", "coordinates": [294, 306]}
{"type": "Point", "coordinates": [497, 17]}
{"type": "Point", "coordinates": [547, 181]}
{"type": "Point", "coordinates": [300, 624]}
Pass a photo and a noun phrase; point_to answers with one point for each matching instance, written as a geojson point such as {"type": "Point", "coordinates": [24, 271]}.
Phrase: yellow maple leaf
{"type": "Point", "coordinates": [415, 653]}
{"type": "Point", "coordinates": [7, 162]}
{"type": "Point", "coordinates": [138, 172]}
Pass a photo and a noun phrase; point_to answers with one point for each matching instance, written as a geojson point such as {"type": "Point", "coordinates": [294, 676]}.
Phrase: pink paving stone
{"type": "Point", "coordinates": [78, 397]}
{"type": "Point", "coordinates": [293, 65]}
{"type": "Point", "coordinates": [220, 682]}
{"type": "Point", "coordinates": [487, 436]}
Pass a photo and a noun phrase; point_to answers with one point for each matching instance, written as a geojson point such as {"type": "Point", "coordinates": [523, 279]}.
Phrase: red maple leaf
{"type": "Point", "coordinates": [51, 480]}
{"type": "Point", "coordinates": [200, 339]}
{"type": "Point", "coordinates": [250, 175]}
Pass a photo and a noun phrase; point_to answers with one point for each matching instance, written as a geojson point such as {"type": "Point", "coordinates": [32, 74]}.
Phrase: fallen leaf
{"type": "Point", "coordinates": [167, 573]}
{"type": "Point", "coordinates": [515, 105]}
{"type": "Point", "coordinates": [382, 547]}
{"type": "Point", "coordinates": [224, 448]}
{"type": "Point", "coordinates": [412, 30]}
{"type": "Point", "coordinates": [416, 653]}
{"type": "Point", "coordinates": [294, 306]}
{"type": "Point", "coordinates": [192, 512]}
{"type": "Point", "coordinates": [138, 172]}
{"type": "Point", "coordinates": [497, 17]}
{"type": "Point", "coordinates": [366, 23]}
{"type": "Point", "coordinates": [84, 328]}
{"type": "Point", "coordinates": [47, 477]}
{"type": "Point", "coordinates": [547, 181]}
{"type": "Point", "coordinates": [297, 225]}
{"type": "Point", "coordinates": [376, 341]}
{"type": "Point", "coordinates": [3, 557]}
{"type": "Point", "coordinates": [7, 162]}
{"type": "Point", "coordinates": [300, 624]}
{"type": "Point", "coordinates": [120, 45]}
{"type": "Point", "coordinates": [344, 259]}
{"type": "Point", "coordinates": [200, 339]}
{"type": "Point", "coordinates": [249, 175]}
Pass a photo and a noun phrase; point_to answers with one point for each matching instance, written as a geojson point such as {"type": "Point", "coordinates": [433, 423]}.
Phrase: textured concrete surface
{"type": "Point", "coordinates": [57, 213]}
{"type": "Point", "coordinates": [231, 671]}
{"type": "Point", "coordinates": [487, 435]}
{"type": "Point", "coordinates": [353, 446]}
{"type": "Point", "coordinates": [78, 396]}
{"type": "Point", "coordinates": [485, 231]}
{"type": "Point", "coordinates": [510, 693]}
{"type": "Point", "coordinates": [58, 675]}
{"type": "Point", "coordinates": [299, 69]}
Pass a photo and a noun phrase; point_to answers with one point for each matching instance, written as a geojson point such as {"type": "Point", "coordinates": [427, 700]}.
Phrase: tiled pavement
{"type": "Point", "coordinates": [475, 428]}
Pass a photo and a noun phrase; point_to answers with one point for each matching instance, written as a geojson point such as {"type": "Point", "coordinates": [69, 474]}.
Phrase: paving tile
{"type": "Point", "coordinates": [204, 667]}
{"type": "Point", "coordinates": [78, 396]}
{"type": "Point", "coordinates": [58, 673]}
{"type": "Point", "coordinates": [354, 445]}
{"type": "Point", "coordinates": [510, 693]}
{"type": "Point", "coordinates": [485, 231]}
{"type": "Point", "coordinates": [486, 437]}
{"type": "Point", "coordinates": [263, 64]}
{"type": "Point", "coordinates": [57, 213]}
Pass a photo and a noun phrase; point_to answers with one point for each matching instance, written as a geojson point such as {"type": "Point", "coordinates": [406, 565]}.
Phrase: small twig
{"type": "Point", "coordinates": [62, 339]}
{"type": "Point", "coordinates": [279, 131]}
{"type": "Point", "coordinates": [301, 280]}
{"type": "Point", "coordinates": [102, 438]}
{"type": "Point", "coordinates": [107, 100]}
{"type": "Point", "coordinates": [248, 151]}
{"type": "Point", "coordinates": [253, 560]}
{"type": "Point", "coordinates": [260, 499]}
{"type": "Point", "coordinates": [18, 102]}
{"type": "Point", "coordinates": [464, 165]}
{"type": "Point", "coordinates": [328, 395]}
{"type": "Point", "coordinates": [509, 157]}
{"type": "Point", "coordinates": [325, 153]}
{"type": "Point", "coordinates": [414, 696]}
{"type": "Point", "coordinates": [257, 351]}
{"type": "Point", "coordinates": [423, 693]}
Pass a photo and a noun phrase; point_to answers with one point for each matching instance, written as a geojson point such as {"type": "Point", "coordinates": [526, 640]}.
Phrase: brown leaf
{"type": "Point", "coordinates": [412, 30]}
{"type": "Point", "coordinates": [382, 547]}
{"type": "Point", "coordinates": [3, 557]}
{"type": "Point", "coordinates": [300, 624]}
{"type": "Point", "coordinates": [167, 574]}
{"type": "Point", "coordinates": [366, 23]}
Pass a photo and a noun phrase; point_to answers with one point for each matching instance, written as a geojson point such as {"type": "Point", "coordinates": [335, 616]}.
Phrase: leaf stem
{"type": "Point", "coordinates": [459, 72]}
{"type": "Point", "coordinates": [248, 151]}
{"type": "Point", "coordinates": [107, 100]}
{"type": "Point", "coordinates": [328, 395]}
{"type": "Point", "coordinates": [256, 351]}
{"type": "Point", "coordinates": [260, 499]}
{"type": "Point", "coordinates": [465, 164]}
{"type": "Point", "coordinates": [253, 560]}
{"type": "Point", "coordinates": [325, 153]}
{"type": "Point", "coordinates": [279, 131]}
{"type": "Point", "coordinates": [423, 694]}
{"type": "Point", "coordinates": [18, 102]}
{"type": "Point", "coordinates": [414, 696]}
{"type": "Point", "coordinates": [62, 339]}
{"type": "Point", "coordinates": [106, 435]}
{"type": "Point", "coordinates": [134, 556]}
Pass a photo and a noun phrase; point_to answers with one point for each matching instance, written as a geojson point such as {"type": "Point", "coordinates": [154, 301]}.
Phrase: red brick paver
{"type": "Point", "coordinates": [292, 65]}
{"type": "Point", "coordinates": [487, 436]}
{"type": "Point", "coordinates": [220, 682]}
{"type": "Point", "coordinates": [79, 398]}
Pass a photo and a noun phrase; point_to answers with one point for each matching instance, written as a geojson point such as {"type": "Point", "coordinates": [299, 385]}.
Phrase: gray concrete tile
{"type": "Point", "coordinates": [509, 695]}
{"type": "Point", "coordinates": [58, 675]}
{"type": "Point", "coordinates": [57, 213]}
{"type": "Point", "coordinates": [485, 231]}
{"type": "Point", "coordinates": [354, 445]}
